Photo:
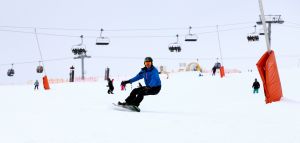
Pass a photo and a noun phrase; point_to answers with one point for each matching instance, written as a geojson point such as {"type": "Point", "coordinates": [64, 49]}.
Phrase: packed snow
{"type": "Point", "coordinates": [189, 108]}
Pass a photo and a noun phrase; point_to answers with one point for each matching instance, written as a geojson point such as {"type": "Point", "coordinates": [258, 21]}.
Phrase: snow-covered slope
{"type": "Point", "coordinates": [189, 109]}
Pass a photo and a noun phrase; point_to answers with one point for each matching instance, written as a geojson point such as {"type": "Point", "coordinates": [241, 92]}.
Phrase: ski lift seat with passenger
{"type": "Point", "coordinates": [217, 65]}
{"type": "Point", "coordinates": [79, 51]}
{"type": "Point", "coordinates": [39, 69]}
{"type": "Point", "coordinates": [10, 72]}
{"type": "Point", "coordinates": [252, 37]}
{"type": "Point", "coordinates": [80, 48]}
{"type": "Point", "coordinates": [175, 47]}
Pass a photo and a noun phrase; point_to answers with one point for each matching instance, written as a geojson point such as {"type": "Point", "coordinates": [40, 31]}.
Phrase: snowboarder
{"type": "Point", "coordinates": [151, 79]}
{"type": "Point", "coordinates": [255, 86]}
{"type": "Point", "coordinates": [36, 85]}
{"type": "Point", "coordinates": [110, 86]}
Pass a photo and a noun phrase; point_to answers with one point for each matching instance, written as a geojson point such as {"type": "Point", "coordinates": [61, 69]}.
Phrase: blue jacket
{"type": "Point", "coordinates": [150, 75]}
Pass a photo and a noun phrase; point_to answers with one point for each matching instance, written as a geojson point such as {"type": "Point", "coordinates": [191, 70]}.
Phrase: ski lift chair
{"type": "Point", "coordinates": [191, 38]}
{"type": "Point", "coordinates": [217, 65]}
{"type": "Point", "coordinates": [175, 47]}
{"type": "Point", "coordinates": [171, 49]}
{"type": "Point", "coordinates": [102, 40]}
{"type": "Point", "coordinates": [252, 37]}
{"type": "Point", "coordinates": [39, 69]}
{"type": "Point", "coordinates": [10, 72]}
{"type": "Point", "coordinates": [261, 32]}
{"type": "Point", "coordinates": [178, 49]}
{"type": "Point", "coordinates": [79, 49]}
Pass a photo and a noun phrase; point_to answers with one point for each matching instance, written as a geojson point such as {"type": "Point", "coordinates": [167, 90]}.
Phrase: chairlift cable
{"type": "Point", "coordinates": [49, 34]}
{"type": "Point", "coordinates": [291, 26]}
{"type": "Point", "coordinates": [297, 24]}
{"type": "Point", "coordinates": [159, 58]}
{"type": "Point", "coordinates": [137, 36]}
{"type": "Point", "coordinates": [118, 30]}
{"type": "Point", "coordinates": [30, 62]}
{"type": "Point", "coordinates": [39, 48]}
{"type": "Point", "coordinates": [219, 45]}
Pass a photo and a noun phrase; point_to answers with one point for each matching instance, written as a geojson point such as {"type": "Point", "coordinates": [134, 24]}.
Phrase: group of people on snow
{"type": "Point", "coordinates": [152, 81]}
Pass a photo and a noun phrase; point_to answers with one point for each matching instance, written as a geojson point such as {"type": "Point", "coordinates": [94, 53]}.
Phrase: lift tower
{"type": "Point", "coordinates": [270, 19]}
{"type": "Point", "coordinates": [80, 50]}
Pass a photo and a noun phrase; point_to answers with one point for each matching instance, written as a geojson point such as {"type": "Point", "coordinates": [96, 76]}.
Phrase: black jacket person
{"type": "Point", "coordinates": [110, 86]}
{"type": "Point", "coordinates": [255, 86]}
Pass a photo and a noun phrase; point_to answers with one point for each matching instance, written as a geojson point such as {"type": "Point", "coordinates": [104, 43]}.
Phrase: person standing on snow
{"type": "Point", "coordinates": [36, 85]}
{"type": "Point", "coordinates": [110, 86]}
{"type": "Point", "coordinates": [255, 86]}
{"type": "Point", "coordinates": [151, 78]}
{"type": "Point", "coordinates": [214, 69]}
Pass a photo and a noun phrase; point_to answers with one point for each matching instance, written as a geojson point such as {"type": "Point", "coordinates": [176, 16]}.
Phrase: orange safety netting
{"type": "Point", "coordinates": [268, 71]}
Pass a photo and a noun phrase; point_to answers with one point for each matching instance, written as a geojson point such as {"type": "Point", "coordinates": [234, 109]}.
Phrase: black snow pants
{"type": "Point", "coordinates": [110, 90]}
{"type": "Point", "coordinates": [137, 95]}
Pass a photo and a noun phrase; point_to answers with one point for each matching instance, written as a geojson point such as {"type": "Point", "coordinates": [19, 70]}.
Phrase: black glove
{"type": "Point", "coordinates": [123, 83]}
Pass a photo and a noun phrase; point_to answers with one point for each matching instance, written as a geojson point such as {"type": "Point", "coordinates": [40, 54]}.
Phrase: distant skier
{"type": "Point", "coordinates": [200, 74]}
{"type": "Point", "coordinates": [255, 86]}
{"type": "Point", "coordinates": [214, 69]}
{"type": "Point", "coordinates": [151, 79]}
{"type": "Point", "coordinates": [36, 85]}
{"type": "Point", "coordinates": [216, 66]}
{"type": "Point", "coordinates": [110, 86]}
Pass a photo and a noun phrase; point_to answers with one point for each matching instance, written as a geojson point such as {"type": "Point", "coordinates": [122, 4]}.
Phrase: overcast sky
{"type": "Point", "coordinates": [137, 29]}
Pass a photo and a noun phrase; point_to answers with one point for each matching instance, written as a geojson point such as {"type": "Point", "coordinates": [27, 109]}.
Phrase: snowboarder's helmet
{"type": "Point", "coordinates": [148, 59]}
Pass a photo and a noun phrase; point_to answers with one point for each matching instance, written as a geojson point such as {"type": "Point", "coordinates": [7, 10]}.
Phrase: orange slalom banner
{"type": "Point", "coordinates": [46, 83]}
{"type": "Point", "coordinates": [267, 68]}
{"type": "Point", "coordinates": [222, 71]}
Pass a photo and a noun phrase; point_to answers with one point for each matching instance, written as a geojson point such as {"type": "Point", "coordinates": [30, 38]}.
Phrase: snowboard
{"type": "Point", "coordinates": [128, 107]}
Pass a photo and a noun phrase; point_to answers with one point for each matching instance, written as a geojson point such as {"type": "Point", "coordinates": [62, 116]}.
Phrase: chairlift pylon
{"type": "Point", "coordinates": [11, 71]}
{"type": "Point", "coordinates": [102, 40]}
{"type": "Point", "coordinates": [252, 37]}
{"type": "Point", "coordinates": [175, 46]}
{"type": "Point", "coordinates": [191, 37]}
